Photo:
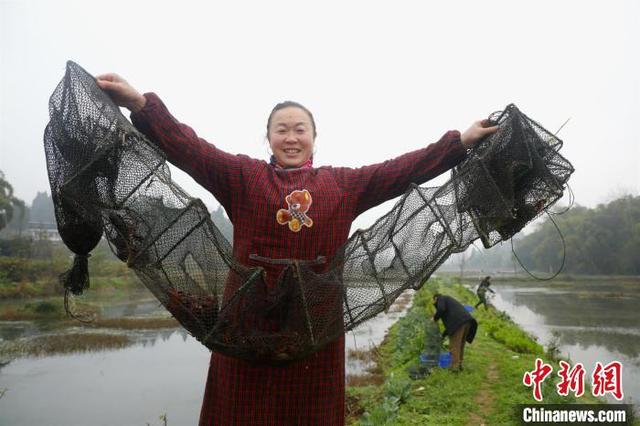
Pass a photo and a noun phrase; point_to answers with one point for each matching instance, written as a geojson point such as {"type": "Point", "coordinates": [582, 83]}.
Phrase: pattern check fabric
{"type": "Point", "coordinates": [311, 390]}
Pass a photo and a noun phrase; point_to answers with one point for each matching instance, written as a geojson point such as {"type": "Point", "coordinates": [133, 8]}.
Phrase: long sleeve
{"type": "Point", "coordinates": [374, 184]}
{"type": "Point", "coordinates": [440, 308]}
{"type": "Point", "coordinates": [217, 171]}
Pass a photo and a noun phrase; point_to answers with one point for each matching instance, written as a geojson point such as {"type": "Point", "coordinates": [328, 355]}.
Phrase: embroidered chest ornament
{"type": "Point", "coordinates": [296, 215]}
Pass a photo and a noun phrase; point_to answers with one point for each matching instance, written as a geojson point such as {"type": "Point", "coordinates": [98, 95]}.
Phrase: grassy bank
{"type": "Point", "coordinates": [47, 284]}
{"type": "Point", "coordinates": [486, 392]}
{"type": "Point", "coordinates": [52, 309]}
{"type": "Point", "coordinates": [43, 300]}
{"type": "Point", "coordinates": [24, 277]}
{"type": "Point", "coordinates": [30, 289]}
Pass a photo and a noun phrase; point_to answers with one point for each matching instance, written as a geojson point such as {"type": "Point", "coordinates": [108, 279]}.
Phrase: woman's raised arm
{"type": "Point", "coordinates": [217, 171]}
{"type": "Point", "coordinates": [371, 185]}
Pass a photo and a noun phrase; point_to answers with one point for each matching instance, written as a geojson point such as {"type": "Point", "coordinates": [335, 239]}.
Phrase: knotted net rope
{"type": "Point", "coordinates": [108, 179]}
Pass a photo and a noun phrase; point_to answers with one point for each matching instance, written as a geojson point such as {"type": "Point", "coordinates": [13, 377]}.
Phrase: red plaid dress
{"type": "Point", "coordinates": [309, 391]}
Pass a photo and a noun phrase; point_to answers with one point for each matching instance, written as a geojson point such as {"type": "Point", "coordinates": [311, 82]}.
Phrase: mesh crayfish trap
{"type": "Point", "coordinates": [522, 172]}
{"type": "Point", "coordinates": [108, 179]}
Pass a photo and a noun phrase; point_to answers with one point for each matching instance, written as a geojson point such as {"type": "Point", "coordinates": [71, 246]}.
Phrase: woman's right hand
{"type": "Point", "coordinates": [122, 93]}
{"type": "Point", "coordinates": [476, 132]}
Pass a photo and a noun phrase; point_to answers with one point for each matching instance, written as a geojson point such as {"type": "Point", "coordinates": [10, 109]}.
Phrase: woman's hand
{"type": "Point", "coordinates": [477, 131]}
{"type": "Point", "coordinates": [122, 93]}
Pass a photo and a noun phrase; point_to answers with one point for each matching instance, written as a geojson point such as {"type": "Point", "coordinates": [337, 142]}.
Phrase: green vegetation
{"type": "Point", "coordinates": [600, 241]}
{"type": "Point", "coordinates": [28, 277]}
{"type": "Point", "coordinates": [33, 311]}
{"type": "Point", "coordinates": [486, 391]}
{"type": "Point", "coordinates": [30, 288]}
{"type": "Point", "coordinates": [501, 329]}
{"type": "Point", "coordinates": [395, 391]}
{"type": "Point", "coordinates": [52, 308]}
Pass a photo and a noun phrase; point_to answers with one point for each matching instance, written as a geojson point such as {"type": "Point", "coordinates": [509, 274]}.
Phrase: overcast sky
{"type": "Point", "coordinates": [381, 78]}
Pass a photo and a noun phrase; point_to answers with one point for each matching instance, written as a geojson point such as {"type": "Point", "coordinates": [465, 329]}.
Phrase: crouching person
{"type": "Point", "coordinates": [459, 325]}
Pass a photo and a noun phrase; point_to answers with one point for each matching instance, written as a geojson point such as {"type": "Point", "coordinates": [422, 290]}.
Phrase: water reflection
{"type": "Point", "coordinates": [164, 373]}
{"type": "Point", "coordinates": [617, 340]}
{"type": "Point", "coordinates": [590, 321]}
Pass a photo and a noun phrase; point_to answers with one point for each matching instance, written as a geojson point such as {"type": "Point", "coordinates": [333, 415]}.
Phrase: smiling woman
{"type": "Point", "coordinates": [291, 131]}
{"type": "Point", "coordinates": [318, 205]}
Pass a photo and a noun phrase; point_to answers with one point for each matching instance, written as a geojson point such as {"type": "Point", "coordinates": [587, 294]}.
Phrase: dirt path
{"type": "Point", "coordinates": [485, 398]}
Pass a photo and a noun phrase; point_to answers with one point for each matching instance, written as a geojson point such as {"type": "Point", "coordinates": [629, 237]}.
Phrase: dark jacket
{"type": "Point", "coordinates": [454, 316]}
{"type": "Point", "coordinates": [484, 287]}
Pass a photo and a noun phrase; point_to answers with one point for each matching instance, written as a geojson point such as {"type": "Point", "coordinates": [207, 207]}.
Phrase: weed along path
{"type": "Point", "coordinates": [485, 392]}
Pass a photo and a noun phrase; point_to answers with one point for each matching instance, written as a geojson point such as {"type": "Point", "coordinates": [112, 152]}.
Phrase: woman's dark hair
{"type": "Point", "coordinates": [287, 104]}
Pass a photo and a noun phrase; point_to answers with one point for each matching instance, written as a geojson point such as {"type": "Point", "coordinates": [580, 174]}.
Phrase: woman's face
{"type": "Point", "coordinates": [291, 136]}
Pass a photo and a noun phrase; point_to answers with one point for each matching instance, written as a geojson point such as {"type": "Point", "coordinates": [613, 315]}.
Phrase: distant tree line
{"type": "Point", "coordinates": [603, 240]}
{"type": "Point", "coordinates": [15, 215]}
{"type": "Point", "coordinates": [10, 207]}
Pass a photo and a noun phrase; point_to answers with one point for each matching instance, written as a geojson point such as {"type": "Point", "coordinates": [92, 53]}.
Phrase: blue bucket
{"type": "Point", "coordinates": [468, 308]}
{"type": "Point", "coordinates": [445, 360]}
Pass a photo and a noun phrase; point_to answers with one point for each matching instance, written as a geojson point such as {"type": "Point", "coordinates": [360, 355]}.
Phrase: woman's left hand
{"type": "Point", "coordinates": [477, 131]}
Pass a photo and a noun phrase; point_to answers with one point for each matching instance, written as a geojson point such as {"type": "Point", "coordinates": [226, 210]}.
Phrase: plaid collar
{"type": "Point", "coordinates": [307, 164]}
